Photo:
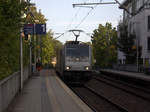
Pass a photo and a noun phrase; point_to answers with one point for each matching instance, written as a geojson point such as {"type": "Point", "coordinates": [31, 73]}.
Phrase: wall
{"type": "Point", "coordinates": [9, 87]}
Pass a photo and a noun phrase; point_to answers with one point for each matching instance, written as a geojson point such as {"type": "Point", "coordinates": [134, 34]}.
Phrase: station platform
{"type": "Point", "coordinates": [135, 75]}
{"type": "Point", "coordinates": [47, 93]}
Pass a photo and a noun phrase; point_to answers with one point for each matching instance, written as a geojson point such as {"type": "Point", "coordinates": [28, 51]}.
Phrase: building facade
{"type": "Point", "coordinates": [136, 14]}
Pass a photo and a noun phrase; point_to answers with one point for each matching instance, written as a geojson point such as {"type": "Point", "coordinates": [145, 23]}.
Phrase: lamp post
{"type": "Point", "coordinates": [21, 59]}
{"type": "Point", "coordinates": [21, 56]}
{"type": "Point", "coordinates": [30, 54]}
{"type": "Point", "coordinates": [137, 43]}
{"type": "Point", "coordinates": [21, 50]}
{"type": "Point", "coordinates": [35, 21]}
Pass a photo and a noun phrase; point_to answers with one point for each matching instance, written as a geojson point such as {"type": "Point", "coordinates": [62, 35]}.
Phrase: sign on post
{"type": "Point", "coordinates": [38, 29]}
{"type": "Point", "coordinates": [28, 29]}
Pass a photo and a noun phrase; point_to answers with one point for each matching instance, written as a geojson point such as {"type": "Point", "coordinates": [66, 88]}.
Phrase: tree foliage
{"type": "Point", "coordinates": [126, 44]}
{"type": "Point", "coordinates": [10, 19]}
{"type": "Point", "coordinates": [47, 48]}
{"type": "Point", "coordinates": [104, 41]}
{"type": "Point", "coordinates": [33, 15]}
{"type": "Point", "coordinates": [11, 22]}
{"type": "Point", "coordinates": [50, 46]}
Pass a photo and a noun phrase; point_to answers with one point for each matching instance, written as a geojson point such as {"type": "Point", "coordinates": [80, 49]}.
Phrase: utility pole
{"type": "Point", "coordinates": [30, 39]}
{"type": "Point", "coordinates": [35, 44]}
{"type": "Point", "coordinates": [21, 56]}
{"type": "Point", "coordinates": [30, 52]}
{"type": "Point", "coordinates": [39, 42]}
{"type": "Point", "coordinates": [21, 51]}
{"type": "Point", "coordinates": [34, 48]}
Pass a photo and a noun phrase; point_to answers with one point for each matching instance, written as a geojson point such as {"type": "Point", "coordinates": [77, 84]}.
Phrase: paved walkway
{"type": "Point", "coordinates": [46, 93]}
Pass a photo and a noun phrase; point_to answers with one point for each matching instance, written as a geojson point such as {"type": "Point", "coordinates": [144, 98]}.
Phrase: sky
{"type": "Point", "coordinates": [63, 17]}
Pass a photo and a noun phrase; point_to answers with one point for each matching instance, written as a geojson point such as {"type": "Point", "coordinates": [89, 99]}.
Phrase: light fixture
{"type": "Point", "coordinates": [67, 68]}
{"type": "Point", "coordinates": [87, 68]}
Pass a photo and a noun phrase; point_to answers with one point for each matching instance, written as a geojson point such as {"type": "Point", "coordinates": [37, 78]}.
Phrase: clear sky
{"type": "Point", "coordinates": [62, 16]}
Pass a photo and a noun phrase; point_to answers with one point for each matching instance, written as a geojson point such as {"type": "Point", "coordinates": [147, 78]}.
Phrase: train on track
{"type": "Point", "coordinates": [74, 62]}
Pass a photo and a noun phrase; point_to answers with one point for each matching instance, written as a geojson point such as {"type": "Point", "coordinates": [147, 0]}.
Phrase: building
{"type": "Point", "coordinates": [136, 14]}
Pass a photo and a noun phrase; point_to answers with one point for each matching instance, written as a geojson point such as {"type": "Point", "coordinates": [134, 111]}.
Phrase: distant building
{"type": "Point", "coordinates": [138, 21]}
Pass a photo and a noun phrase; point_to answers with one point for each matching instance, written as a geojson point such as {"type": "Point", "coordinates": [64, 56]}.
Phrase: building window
{"type": "Point", "coordinates": [148, 22]}
{"type": "Point", "coordinates": [148, 43]}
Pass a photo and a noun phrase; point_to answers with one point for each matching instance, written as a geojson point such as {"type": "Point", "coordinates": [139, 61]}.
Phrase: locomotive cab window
{"type": "Point", "coordinates": [81, 51]}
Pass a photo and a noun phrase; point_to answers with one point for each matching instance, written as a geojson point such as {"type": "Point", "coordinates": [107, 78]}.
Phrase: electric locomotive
{"type": "Point", "coordinates": [74, 62]}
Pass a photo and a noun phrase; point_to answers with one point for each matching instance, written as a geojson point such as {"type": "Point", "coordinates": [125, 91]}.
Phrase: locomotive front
{"type": "Point", "coordinates": [78, 57]}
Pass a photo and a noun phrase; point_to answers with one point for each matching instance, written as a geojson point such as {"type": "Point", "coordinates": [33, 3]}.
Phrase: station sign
{"type": "Point", "coordinates": [38, 29]}
{"type": "Point", "coordinates": [28, 29]}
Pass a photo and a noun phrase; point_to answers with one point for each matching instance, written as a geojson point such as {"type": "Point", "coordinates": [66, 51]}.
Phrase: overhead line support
{"type": "Point", "coordinates": [104, 3]}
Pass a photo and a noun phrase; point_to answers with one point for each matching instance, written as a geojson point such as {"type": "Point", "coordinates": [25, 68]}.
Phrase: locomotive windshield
{"type": "Point", "coordinates": [77, 50]}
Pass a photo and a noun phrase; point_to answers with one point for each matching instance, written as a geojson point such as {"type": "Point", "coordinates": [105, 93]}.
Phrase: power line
{"type": "Point", "coordinates": [76, 14]}
{"type": "Point", "coordinates": [86, 16]}
{"type": "Point", "coordinates": [73, 18]}
{"type": "Point", "coordinates": [92, 8]}
{"type": "Point", "coordinates": [59, 35]}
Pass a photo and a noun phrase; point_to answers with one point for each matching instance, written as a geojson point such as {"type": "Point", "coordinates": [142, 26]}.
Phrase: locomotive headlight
{"type": "Point", "coordinates": [67, 68]}
{"type": "Point", "coordinates": [77, 59]}
{"type": "Point", "coordinates": [87, 68]}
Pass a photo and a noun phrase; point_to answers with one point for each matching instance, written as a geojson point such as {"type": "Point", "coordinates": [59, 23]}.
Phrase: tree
{"type": "Point", "coordinates": [57, 46]}
{"type": "Point", "coordinates": [104, 41]}
{"type": "Point", "coordinates": [126, 44]}
{"type": "Point", "coordinates": [10, 19]}
{"type": "Point", "coordinates": [50, 46]}
{"type": "Point", "coordinates": [47, 49]}
{"type": "Point", "coordinates": [46, 45]}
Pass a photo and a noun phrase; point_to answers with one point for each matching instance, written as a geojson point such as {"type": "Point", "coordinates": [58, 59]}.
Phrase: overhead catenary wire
{"type": "Point", "coordinates": [84, 17]}
{"type": "Point", "coordinates": [74, 17]}
{"type": "Point", "coordinates": [76, 14]}
{"type": "Point", "coordinates": [92, 8]}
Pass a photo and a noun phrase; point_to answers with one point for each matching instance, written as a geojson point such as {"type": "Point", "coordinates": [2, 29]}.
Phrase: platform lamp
{"type": "Point", "coordinates": [137, 42]}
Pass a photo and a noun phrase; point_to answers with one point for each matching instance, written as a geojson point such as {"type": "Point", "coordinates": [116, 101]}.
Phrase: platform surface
{"type": "Point", "coordinates": [141, 76]}
{"type": "Point", "coordinates": [47, 93]}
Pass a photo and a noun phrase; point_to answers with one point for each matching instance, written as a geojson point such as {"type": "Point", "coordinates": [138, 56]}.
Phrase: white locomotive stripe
{"type": "Point", "coordinates": [78, 101]}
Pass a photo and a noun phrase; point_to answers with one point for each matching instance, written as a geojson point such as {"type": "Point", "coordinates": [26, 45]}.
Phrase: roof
{"type": "Point", "coordinates": [125, 3]}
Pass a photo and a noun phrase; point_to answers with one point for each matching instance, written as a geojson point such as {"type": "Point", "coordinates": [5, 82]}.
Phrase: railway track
{"type": "Point", "coordinates": [129, 98]}
{"type": "Point", "coordinates": [127, 87]}
{"type": "Point", "coordinates": [105, 94]}
{"type": "Point", "coordinates": [95, 101]}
